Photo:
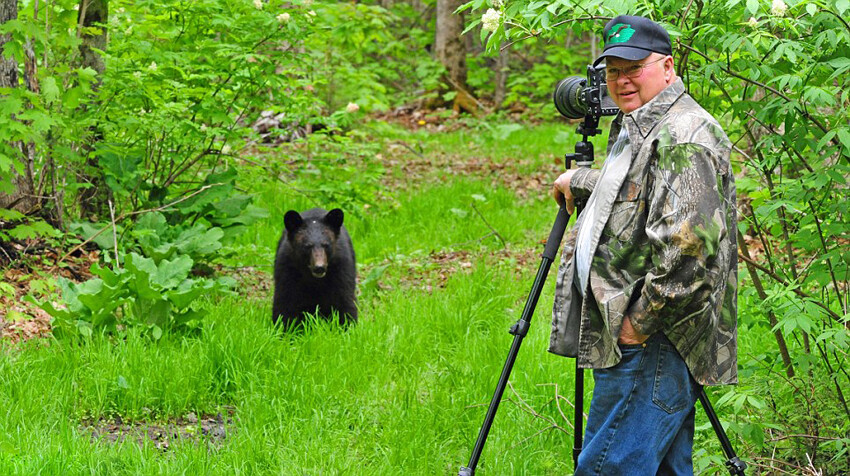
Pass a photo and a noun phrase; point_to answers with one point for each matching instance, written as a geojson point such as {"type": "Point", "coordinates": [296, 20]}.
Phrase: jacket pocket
{"type": "Point", "coordinates": [627, 212]}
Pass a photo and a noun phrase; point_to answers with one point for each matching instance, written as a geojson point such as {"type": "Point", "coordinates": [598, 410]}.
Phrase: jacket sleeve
{"type": "Point", "coordinates": [583, 181]}
{"type": "Point", "coordinates": [685, 228]}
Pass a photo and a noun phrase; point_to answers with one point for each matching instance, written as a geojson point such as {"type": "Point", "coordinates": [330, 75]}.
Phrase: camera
{"type": "Point", "coordinates": [576, 97]}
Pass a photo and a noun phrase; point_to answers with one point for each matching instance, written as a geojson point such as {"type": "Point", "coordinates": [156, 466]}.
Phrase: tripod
{"type": "Point", "coordinates": [583, 157]}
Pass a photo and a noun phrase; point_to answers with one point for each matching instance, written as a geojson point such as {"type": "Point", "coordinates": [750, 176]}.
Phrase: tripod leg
{"type": "Point", "coordinates": [579, 414]}
{"type": "Point", "coordinates": [519, 331]}
{"type": "Point", "coordinates": [734, 464]}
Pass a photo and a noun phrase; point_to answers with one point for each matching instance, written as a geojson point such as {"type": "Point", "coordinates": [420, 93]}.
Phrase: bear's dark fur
{"type": "Point", "coordinates": [314, 268]}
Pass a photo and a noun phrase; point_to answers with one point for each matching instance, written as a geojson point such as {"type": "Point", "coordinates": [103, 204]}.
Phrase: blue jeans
{"type": "Point", "coordinates": [641, 419]}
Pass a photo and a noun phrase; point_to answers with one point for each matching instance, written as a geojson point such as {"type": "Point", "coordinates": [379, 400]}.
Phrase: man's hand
{"type": "Point", "coordinates": [561, 191]}
{"type": "Point", "coordinates": [628, 334]}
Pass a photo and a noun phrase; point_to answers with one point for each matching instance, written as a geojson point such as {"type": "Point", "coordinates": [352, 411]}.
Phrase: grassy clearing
{"type": "Point", "coordinates": [404, 391]}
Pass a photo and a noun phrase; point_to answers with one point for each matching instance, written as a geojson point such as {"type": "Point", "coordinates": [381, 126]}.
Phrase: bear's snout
{"type": "Point", "coordinates": [318, 263]}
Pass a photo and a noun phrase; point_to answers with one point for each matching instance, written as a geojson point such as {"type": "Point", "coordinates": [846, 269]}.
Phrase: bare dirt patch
{"type": "Point", "coordinates": [210, 429]}
{"type": "Point", "coordinates": [29, 270]}
{"type": "Point", "coordinates": [407, 172]}
{"type": "Point", "coordinates": [434, 270]}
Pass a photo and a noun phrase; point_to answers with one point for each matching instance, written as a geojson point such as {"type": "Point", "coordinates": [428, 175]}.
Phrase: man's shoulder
{"type": "Point", "coordinates": [686, 122]}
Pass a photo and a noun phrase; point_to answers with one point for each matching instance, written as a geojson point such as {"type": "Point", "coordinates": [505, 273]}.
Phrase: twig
{"type": "Point", "coordinates": [114, 231]}
{"type": "Point", "coordinates": [772, 467]}
{"type": "Point", "coordinates": [493, 230]}
{"type": "Point", "coordinates": [531, 411]}
{"type": "Point", "coordinates": [764, 86]}
{"type": "Point", "coordinates": [559, 397]}
{"type": "Point", "coordinates": [820, 438]}
{"type": "Point", "coordinates": [408, 147]}
{"type": "Point", "coordinates": [797, 291]}
{"type": "Point", "coordinates": [554, 25]}
{"type": "Point", "coordinates": [129, 214]}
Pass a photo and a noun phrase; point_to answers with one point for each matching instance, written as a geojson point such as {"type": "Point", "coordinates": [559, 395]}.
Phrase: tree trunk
{"type": "Point", "coordinates": [92, 18]}
{"type": "Point", "coordinates": [449, 48]}
{"type": "Point", "coordinates": [501, 79]}
{"type": "Point", "coordinates": [91, 23]}
{"type": "Point", "coordinates": [8, 66]}
{"type": "Point", "coordinates": [23, 196]}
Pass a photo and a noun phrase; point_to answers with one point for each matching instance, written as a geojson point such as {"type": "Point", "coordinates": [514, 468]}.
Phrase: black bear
{"type": "Point", "coordinates": [314, 268]}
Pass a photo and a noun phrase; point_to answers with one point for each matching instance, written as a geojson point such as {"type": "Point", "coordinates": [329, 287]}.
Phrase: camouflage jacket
{"type": "Point", "coordinates": [667, 256]}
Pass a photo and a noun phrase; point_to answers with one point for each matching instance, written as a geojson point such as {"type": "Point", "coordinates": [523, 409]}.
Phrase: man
{"type": "Point", "coordinates": [649, 271]}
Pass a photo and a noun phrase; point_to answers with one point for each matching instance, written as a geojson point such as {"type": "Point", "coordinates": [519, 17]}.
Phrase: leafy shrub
{"type": "Point", "coordinates": [141, 293]}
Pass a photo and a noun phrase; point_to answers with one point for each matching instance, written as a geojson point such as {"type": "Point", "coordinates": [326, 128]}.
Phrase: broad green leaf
{"type": "Point", "coordinates": [753, 6]}
{"type": "Point", "coordinates": [844, 137]}
{"type": "Point", "coordinates": [199, 242]}
{"type": "Point", "coordinates": [169, 274]}
{"type": "Point", "coordinates": [49, 89]}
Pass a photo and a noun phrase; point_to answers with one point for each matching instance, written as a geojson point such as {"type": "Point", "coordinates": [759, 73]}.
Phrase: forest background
{"type": "Point", "coordinates": [150, 148]}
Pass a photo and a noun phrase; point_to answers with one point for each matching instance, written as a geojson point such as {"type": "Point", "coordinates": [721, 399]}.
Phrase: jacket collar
{"type": "Point", "coordinates": [644, 118]}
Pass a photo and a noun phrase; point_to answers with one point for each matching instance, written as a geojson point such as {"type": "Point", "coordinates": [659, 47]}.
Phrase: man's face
{"type": "Point", "coordinates": [631, 93]}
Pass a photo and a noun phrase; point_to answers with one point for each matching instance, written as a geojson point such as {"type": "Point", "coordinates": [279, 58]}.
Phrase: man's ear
{"type": "Point", "coordinates": [334, 219]}
{"type": "Point", "coordinates": [292, 220]}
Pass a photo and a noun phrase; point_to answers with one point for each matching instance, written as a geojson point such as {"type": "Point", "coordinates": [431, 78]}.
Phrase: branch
{"type": "Point", "coordinates": [114, 231]}
{"type": "Point", "coordinates": [761, 85]}
{"type": "Point", "coordinates": [797, 291]}
{"type": "Point", "coordinates": [504, 245]}
{"type": "Point", "coordinates": [534, 34]}
{"type": "Point", "coordinates": [127, 215]}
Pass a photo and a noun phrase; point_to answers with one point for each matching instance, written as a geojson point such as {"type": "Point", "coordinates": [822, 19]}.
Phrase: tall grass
{"type": "Point", "coordinates": [402, 392]}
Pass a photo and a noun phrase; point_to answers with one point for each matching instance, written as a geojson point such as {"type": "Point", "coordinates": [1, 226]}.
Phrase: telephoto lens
{"type": "Point", "coordinates": [569, 97]}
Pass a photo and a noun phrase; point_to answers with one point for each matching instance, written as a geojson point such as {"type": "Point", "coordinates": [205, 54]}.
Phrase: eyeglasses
{"type": "Point", "coordinates": [633, 71]}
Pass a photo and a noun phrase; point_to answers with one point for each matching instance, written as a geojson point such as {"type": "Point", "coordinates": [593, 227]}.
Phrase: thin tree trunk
{"type": "Point", "coordinates": [23, 196]}
{"type": "Point", "coordinates": [501, 79]}
{"type": "Point", "coordinates": [777, 334]}
{"type": "Point", "coordinates": [448, 45]}
{"type": "Point", "coordinates": [91, 25]}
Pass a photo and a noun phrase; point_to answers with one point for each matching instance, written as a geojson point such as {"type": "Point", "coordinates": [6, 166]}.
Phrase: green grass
{"type": "Point", "coordinates": [402, 392]}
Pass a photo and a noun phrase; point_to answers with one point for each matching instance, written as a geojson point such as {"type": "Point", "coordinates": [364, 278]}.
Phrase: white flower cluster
{"type": "Point", "coordinates": [352, 107]}
{"type": "Point", "coordinates": [753, 22]}
{"type": "Point", "coordinates": [490, 20]}
{"type": "Point", "coordinates": [283, 17]}
{"type": "Point", "coordinates": [778, 8]}
{"type": "Point", "coordinates": [258, 4]}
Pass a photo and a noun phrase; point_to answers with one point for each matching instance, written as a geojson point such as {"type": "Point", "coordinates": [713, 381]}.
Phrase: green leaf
{"type": "Point", "coordinates": [10, 106]}
{"type": "Point", "coordinates": [104, 238]}
{"type": "Point", "coordinates": [199, 242]}
{"type": "Point", "coordinates": [49, 89]}
{"type": "Point", "coordinates": [844, 137]}
{"type": "Point", "coordinates": [753, 6]}
{"type": "Point", "coordinates": [169, 274]}
{"type": "Point", "coordinates": [32, 230]}
{"type": "Point", "coordinates": [142, 270]}
{"type": "Point", "coordinates": [10, 215]}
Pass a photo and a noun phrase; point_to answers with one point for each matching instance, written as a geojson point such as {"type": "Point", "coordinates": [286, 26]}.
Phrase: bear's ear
{"type": "Point", "coordinates": [292, 220]}
{"type": "Point", "coordinates": [334, 219]}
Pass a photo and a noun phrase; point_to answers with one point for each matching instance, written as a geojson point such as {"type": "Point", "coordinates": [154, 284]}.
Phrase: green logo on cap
{"type": "Point", "coordinates": [620, 33]}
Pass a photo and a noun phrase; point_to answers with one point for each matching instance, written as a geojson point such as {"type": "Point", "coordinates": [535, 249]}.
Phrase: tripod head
{"type": "Point", "coordinates": [583, 156]}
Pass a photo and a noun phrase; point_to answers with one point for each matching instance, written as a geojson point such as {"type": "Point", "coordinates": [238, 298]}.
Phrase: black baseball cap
{"type": "Point", "coordinates": [634, 38]}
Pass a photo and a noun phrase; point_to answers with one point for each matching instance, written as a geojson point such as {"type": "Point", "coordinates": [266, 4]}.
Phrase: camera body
{"type": "Point", "coordinates": [576, 97]}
